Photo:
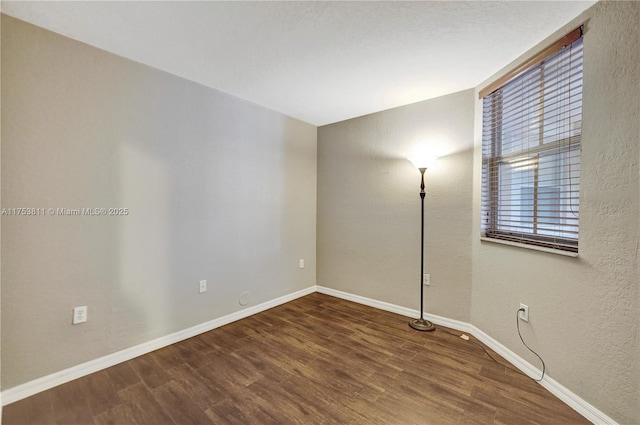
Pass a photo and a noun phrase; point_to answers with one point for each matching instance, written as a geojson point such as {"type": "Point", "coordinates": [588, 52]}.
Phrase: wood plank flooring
{"type": "Point", "coordinates": [315, 360]}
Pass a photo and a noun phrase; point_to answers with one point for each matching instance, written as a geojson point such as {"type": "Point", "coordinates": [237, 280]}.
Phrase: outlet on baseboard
{"type": "Point", "coordinates": [523, 312]}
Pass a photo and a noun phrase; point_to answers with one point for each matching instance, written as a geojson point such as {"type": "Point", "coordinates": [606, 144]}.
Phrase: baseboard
{"type": "Point", "coordinates": [381, 305]}
{"type": "Point", "coordinates": [569, 398]}
{"type": "Point", "coordinates": [30, 388]}
{"type": "Point", "coordinates": [47, 382]}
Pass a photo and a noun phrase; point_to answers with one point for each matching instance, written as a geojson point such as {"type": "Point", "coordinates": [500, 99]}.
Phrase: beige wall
{"type": "Point", "coordinates": [584, 312]}
{"type": "Point", "coordinates": [369, 205]}
{"type": "Point", "coordinates": [217, 188]}
{"type": "Point", "coordinates": [81, 127]}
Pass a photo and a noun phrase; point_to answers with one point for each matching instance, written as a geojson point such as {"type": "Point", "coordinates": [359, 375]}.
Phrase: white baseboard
{"type": "Point", "coordinates": [58, 378]}
{"type": "Point", "coordinates": [381, 305]}
{"type": "Point", "coordinates": [47, 382]}
{"type": "Point", "coordinates": [569, 398]}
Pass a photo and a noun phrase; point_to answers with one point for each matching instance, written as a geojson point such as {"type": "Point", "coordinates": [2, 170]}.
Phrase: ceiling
{"type": "Point", "coordinates": [320, 62]}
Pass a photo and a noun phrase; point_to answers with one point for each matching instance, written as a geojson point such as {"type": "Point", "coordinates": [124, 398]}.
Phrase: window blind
{"type": "Point", "coordinates": [532, 127]}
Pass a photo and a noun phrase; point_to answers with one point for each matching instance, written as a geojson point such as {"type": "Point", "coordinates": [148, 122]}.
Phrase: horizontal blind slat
{"type": "Point", "coordinates": [531, 153]}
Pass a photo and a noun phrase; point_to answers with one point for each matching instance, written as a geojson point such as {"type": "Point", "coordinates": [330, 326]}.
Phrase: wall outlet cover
{"type": "Point", "coordinates": [79, 314]}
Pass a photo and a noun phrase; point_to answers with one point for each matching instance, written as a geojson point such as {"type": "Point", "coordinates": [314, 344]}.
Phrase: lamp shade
{"type": "Point", "coordinates": [422, 161]}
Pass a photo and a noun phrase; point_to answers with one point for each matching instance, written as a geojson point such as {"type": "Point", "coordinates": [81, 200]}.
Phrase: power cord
{"type": "Point", "coordinates": [485, 350]}
{"type": "Point", "coordinates": [529, 348]}
{"type": "Point", "coordinates": [495, 360]}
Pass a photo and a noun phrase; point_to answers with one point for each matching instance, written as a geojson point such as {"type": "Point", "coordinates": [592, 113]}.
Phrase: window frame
{"type": "Point", "coordinates": [564, 149]}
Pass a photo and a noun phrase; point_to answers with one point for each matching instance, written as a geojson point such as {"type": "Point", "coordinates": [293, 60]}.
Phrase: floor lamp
{"type": "Point", "coordinates": [422, 163]}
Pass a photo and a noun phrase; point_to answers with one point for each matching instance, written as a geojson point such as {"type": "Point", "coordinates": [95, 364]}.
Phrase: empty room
{"type": "Point", "coordinates": [309, 212]}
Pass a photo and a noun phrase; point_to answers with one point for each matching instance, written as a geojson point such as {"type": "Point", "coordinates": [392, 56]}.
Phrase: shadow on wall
{"type": "Point", "coordinates": [214, 188]}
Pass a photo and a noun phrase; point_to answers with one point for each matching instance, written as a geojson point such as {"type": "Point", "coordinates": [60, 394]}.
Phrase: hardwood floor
{"type": "Point", "coordinates": [315, 360]}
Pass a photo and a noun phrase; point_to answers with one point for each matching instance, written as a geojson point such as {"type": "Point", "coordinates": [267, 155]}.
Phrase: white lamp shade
{"type": "Point", "coordinates": [423, 161]}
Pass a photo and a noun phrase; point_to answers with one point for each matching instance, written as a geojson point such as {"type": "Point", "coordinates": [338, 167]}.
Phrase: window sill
{"type": "Point", "coordinates": [533, 247]}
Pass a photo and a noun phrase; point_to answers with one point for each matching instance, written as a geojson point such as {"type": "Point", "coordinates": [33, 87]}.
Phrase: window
{"type": "Point", "coordinates": [532, 126]}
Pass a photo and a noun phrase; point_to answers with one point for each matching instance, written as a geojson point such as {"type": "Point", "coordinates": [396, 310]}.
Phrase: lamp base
{"type": "Point", "coordinates": [422, 325]}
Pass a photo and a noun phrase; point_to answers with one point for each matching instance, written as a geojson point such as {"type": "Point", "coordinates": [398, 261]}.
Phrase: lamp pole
{"type": "Point", "coordinates": [421, 324]}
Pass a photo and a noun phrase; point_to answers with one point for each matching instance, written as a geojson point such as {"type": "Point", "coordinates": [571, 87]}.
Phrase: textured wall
{"type": "Point", "coordinates": [217, 189]}
{"type": "Point", "coordinates": [584, 312]}
{"type": "Point", "coordinates": [369, 205]}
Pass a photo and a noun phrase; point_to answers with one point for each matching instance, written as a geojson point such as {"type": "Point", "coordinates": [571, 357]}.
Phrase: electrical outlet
{"type": "Point", "coordinates": [302, 263]}
{"type": "Point", "coordinates": [203, 286]}
{"type": "Point", "coordinates": [426, 279]}
{"type": "Point", "coordinates": [523, 312]}
{"type": "Point", "coordinates": [79, 315]}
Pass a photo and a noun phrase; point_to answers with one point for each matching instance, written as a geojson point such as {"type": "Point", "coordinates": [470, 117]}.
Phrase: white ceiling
{"type": "Point", "coordinates": [320, 62]}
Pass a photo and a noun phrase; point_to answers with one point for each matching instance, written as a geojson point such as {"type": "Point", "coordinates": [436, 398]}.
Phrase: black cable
{"type": "Point", "coordinates": [486, 352]}
{"type": "Point", "coordinates": [529, 348]}
{"type": "Point", "coordinates": [495, 360]}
